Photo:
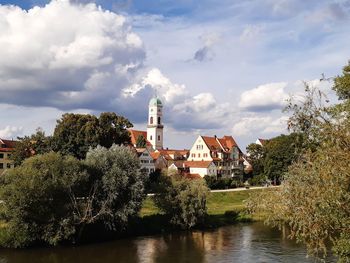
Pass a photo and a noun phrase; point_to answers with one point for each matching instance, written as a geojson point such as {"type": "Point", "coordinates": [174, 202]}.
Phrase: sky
{"type": "Point", "coordinates": [220, 67]}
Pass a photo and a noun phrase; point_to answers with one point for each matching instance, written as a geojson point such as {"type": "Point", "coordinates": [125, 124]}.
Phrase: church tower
{"type": "Point", "coordinates": [155, 123]}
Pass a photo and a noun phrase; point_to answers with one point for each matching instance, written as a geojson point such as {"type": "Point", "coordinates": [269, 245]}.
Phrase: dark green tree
{"type": "Point", "coordinates": [314, 199]}
{"type": "Point", "coordinates": [76, 133]}
{"type": "Point", "coordinates": [28, 146]}
{"type": "Point", "coordinates": [280, 153]}
{"type": "Point", "coordinates": [183, 200]}
{"type": "Point", "coordinates": [255, 156]}
{"type": "Point", "coordinates": [141, 142]}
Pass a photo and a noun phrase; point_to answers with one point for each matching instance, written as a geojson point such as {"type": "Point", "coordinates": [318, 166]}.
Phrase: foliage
{"type": "Point", "coordinates": [117, 186]}
{"type": "Point", "coordinates": [255, 156]}
{"type": "Point", "coordinates": [27, 146]}
{"type": "Point", "coordinates": [314, 199]}
{"type": "Point", "coordinates": [76, 133]}
{"type": "Point", "coordinates": [259, 180]}
{"type": "Point", "coordinates": [141, 142]}
{"type": "Point", "coordinates": [37, 201]}
{"type": "Point", "coordinates": [221, 183]}
{"type": "Point", "coordinates": [280, 152]}
{"type": "Point", "coordinates": [184, 200]}
{"type": "Point", "coordinates": [50, 198]}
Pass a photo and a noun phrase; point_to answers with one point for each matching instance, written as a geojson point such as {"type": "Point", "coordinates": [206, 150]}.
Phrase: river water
{"type": "Point", "coordinates": [247, 243]}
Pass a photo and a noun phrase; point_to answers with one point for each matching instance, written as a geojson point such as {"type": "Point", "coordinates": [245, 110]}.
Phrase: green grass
{"type": "Point", "coordinates": [218, 203]}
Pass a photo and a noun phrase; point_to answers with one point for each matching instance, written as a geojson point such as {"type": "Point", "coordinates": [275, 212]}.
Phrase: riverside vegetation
{"type": "Point", "coordinates": [67, 189]}
{"type": "Point", "coordinates": [314, 199]}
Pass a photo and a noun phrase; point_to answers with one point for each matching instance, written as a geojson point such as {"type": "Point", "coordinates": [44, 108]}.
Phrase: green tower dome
{"type": "Point", "coordinates": [155, 102]}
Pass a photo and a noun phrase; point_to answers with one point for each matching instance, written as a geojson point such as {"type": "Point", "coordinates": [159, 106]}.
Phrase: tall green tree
{"type": "Point", "coordinates": [256, 156]}
{"type": "Point", "coordinates": [76, 133]}
{"type": "Point", "coordinates": [25, 147]}
{"type": "Point", "coordinates": [51, 198]}
{"type": "Point", "coordinates": [314, 199]}
{"type": "Point", "coordinates": [280, 152]}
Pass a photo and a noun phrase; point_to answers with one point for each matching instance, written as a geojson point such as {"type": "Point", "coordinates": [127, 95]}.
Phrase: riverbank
{"type": "Point", "coordinates": [224, 208]}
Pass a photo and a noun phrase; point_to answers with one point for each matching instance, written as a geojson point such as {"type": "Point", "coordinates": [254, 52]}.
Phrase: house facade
{"type": "Point", "coordinates": [6, 149]}
{"type": "Point", "coordinates": [223, 152]}
{"type": "Point", "coordinates": [202, 168]}
{"type": "Point", "coordinates": [146, 160]}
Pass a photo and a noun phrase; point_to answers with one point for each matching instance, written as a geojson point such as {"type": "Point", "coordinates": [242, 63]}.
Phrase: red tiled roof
{"type": "Point", "coordinates": [198, 164]}
{"type": "Point", "coordinates": [134, 134]}
{"type": "Point", "coordinates": [7, 145]}
{"type": "Point", "coordinates": [227, 142]}
{"type": "Point", "coordinates": [155, 155]}
{"type": "Point", "coordinates": [212, 143]}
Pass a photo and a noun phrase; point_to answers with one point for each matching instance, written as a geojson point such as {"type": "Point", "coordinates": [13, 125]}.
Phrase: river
{"type": "Point", "coordinates": [245, 243]}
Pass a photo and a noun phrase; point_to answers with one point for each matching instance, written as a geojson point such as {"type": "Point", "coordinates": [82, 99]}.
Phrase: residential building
{"type": "Point", "coordinates": [146, 160]}
{"type": "Point", "coordinates": [202, 168]}
{"type": "Point", "coordinates": [6, 149]}
{"type": "Point", "coordinates": [223, 152]}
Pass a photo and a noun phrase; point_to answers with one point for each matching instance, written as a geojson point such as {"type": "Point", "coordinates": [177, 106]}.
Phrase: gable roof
{"type": "Point", "coordinates": [134, 134]}
{"type": "Point", "coordinates": [197, 164]}
{"type": "Point", "coordinates": [7, 145]}
{"type": "Point", "coordinates": [212, 143]}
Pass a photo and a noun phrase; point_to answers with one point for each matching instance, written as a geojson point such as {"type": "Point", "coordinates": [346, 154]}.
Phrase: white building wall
{"type": "Point", "coordinates": [199, 151]}
{"type": "Point", "coordinates": [146, 162]}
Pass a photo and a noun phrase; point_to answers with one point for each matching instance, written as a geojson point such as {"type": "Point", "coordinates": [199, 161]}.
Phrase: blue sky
{"type": "Point", "coordinates": [220, 67]}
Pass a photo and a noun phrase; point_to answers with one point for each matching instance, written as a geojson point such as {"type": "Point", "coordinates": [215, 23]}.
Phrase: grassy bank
{"type": "Point", "coordinates": [217, 203]}
{"type": "Point", "coordinates": [224, 208]}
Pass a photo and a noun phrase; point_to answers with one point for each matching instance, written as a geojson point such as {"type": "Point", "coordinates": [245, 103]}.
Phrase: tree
{"type": "Point", "coordinates": [51, 198]}
{"type": "Point", "coordinates": [256, 155]}
{"type": "Point", "coordinates": [183, 200]}
{"type": "Point", "coordinates": [36, 199]}
{"type": "Point", "coordinates": [27, 146]}
{"type": "Point", "coordinates": [280, 152]}
{"type": "Point", "coordinates": [117, 187]}
{"type": "Point", "coordinates": [76, 133]}
{"type": "Point", "coordinates": [141, 142]}
{"type": "Point", "coordinates": [314, 199]}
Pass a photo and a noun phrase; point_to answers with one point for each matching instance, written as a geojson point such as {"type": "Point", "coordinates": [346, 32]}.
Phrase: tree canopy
{"type": "Point", "coordinates": [314, 199]}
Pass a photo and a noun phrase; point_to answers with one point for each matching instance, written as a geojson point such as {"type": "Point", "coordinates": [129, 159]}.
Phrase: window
{"type": "Point", "coordinates": [8, 166]}
{"type": "Point", "coordinates": [193, 155]}
{"type": "Point", "coordinates": [1, 166]}
{"type": "Point", "coordinates": [199, 155]}
{"type": "Point", "coordinates": [151, 120]}
{"type": "Point", "coordinates": [158, 137]}
{"type": "Point", "coordinates": [9, 155]}
{"type": "Point", "coordinates": [150, 137]}
{"type": "Point", "coordinates": [205, 155]}
{"type": "Point", "coordinates": [1, 156]}
{"type": "Point", "coordinates": [158, 120]}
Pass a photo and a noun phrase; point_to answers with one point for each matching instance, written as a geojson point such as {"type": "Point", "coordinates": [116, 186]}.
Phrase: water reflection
{"type": "Point", "coordinates": [240, 243]}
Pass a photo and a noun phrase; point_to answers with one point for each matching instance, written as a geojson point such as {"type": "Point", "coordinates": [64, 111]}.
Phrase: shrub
{"type": "Point", "coordinates": [50, 198]}
{"type": "Point", "coordinates": [184, 200]}
{"type": "Point", "coordinates": [37, 202]}
{"type": "Point", "coordinates": [117, 186]}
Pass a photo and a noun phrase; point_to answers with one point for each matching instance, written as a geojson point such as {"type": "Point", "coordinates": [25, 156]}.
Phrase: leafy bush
{"type": "Point", "coordinates": [50, 198]}
{"type": "Point", "coordinates": [184, 200]}
{"type": "Point", "coordinates": [221, 183]}
{"type": "Point", "coordinates": [37, 200]}
{"type": "Point", "coordinates": [117, 185]}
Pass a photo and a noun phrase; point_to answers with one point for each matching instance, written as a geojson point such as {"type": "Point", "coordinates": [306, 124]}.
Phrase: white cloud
{"type": "Point", "coordinates": [161, 84]}
{"type": "Point", "coordinates": [10, 132]}
{"type": "Point", "coordinates": [264, 97]}
{"type": "Point", "coordinates": [70, 55]}
{"type": "Point", "coordinates": [260, 125]}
